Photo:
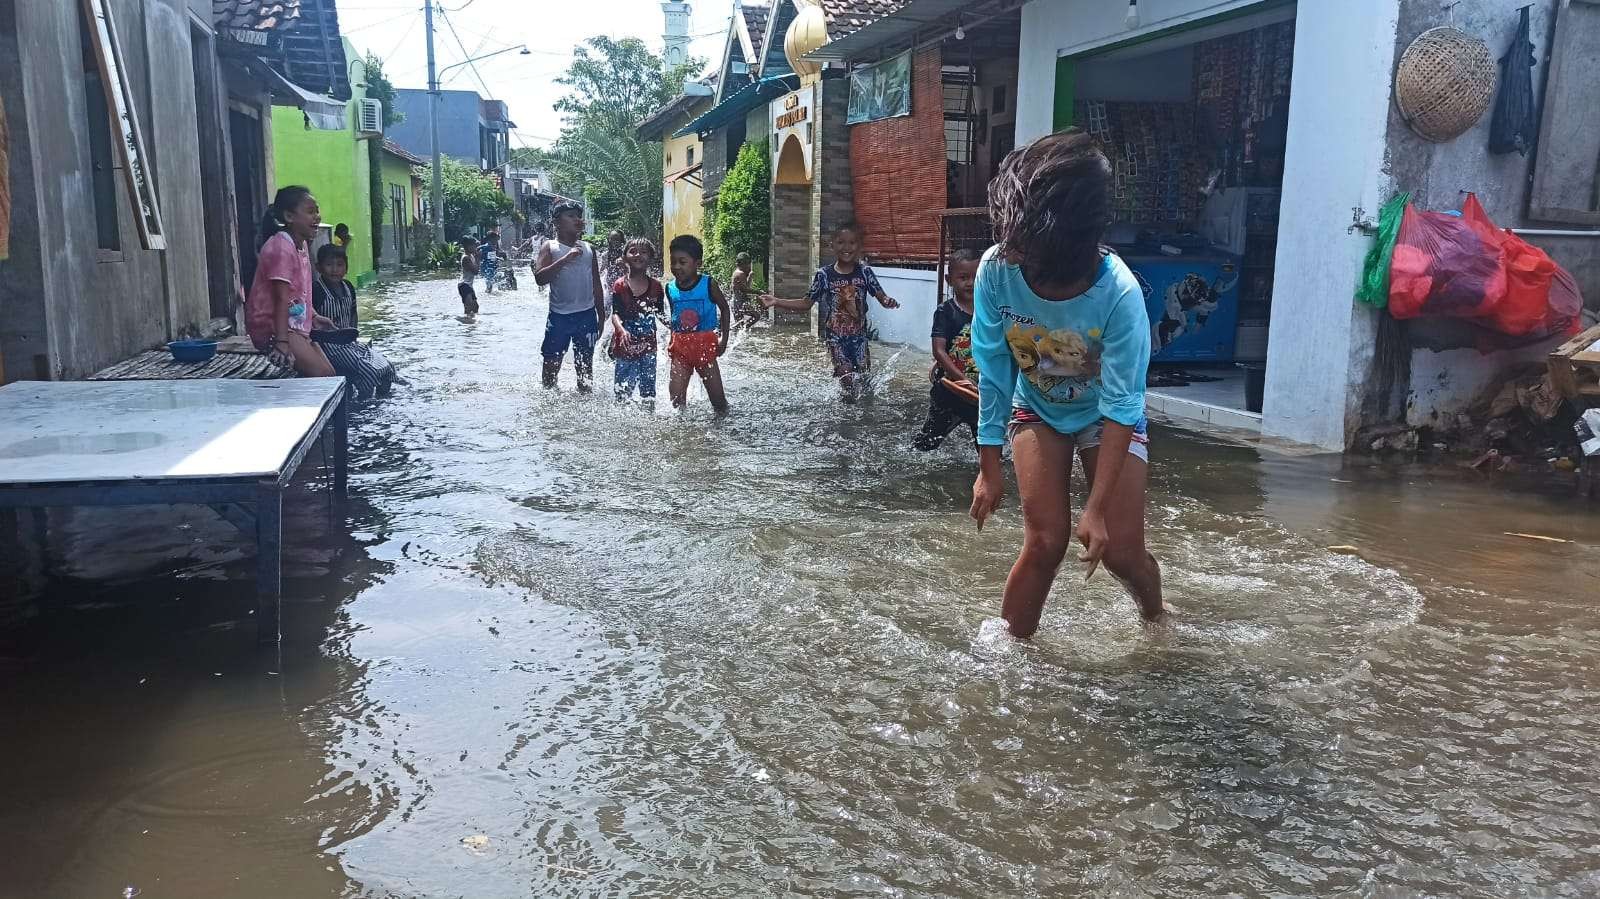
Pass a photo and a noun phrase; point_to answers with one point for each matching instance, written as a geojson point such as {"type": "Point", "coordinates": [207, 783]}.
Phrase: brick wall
{"type": "Point", "coordinates": [833, 199]}
{"type": "Point", "coordinates": [899, 168]}
{"type": "Point", "coordinates": [793, 247]}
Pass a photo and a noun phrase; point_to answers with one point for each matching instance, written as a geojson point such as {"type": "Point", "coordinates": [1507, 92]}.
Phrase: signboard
{"type": "Point", "coordinates": [881, 90]}
{"type": "Point", "coordinates": [793, 120]}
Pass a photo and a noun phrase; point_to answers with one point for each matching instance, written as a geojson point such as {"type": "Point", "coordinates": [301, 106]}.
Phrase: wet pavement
{"type": "Point", "coordinates": [630, 654]}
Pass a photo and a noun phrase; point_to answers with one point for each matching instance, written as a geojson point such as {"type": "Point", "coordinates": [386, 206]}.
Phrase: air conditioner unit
{"type": "Point", "coordinates": [369, 123]}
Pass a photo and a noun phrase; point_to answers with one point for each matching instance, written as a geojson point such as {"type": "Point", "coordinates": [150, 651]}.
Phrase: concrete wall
{"type": "Point", "coordinates": [1446, 371]}
{"type": "Point", "coordinates": [337, 168]}
{"type": "Point", "coordinates": [459, 124]}
{"type": "Point", "coordinates": [1321, 344]}
{"type": "Point", "coordinates": [918, 293]}
{"type": "Point", "coordinates": [69, 308]}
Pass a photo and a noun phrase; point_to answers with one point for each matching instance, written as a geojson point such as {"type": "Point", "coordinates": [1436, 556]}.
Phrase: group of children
{"type": "Point", "coordinates": [1055, 324]}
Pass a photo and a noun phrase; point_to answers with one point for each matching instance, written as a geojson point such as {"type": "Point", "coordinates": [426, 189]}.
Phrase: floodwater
{"type": "Point", "coordinates": [625, 654]}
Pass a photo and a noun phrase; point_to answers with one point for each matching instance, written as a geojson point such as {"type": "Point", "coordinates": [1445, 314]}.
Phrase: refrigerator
{"type": "Point", "coordinates": [1193, 302]}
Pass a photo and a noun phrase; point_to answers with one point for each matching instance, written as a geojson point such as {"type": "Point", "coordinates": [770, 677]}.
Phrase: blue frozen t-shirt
{"type": "Point", "coordinates": [1073, 362]}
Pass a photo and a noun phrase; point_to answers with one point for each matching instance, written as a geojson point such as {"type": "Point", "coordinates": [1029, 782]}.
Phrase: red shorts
{"type": "Point", "coordinates": [695, 349]}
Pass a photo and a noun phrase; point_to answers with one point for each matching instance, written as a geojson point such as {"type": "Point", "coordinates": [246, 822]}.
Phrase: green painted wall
{"type": "Point", "coordinates": [397, 171]}
{"type": "Point", "coordinates": [334, 165]}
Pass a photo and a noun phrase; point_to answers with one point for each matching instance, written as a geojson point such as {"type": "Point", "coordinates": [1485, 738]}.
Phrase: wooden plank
{"type": "Point", "coordinates": [1566, 177]}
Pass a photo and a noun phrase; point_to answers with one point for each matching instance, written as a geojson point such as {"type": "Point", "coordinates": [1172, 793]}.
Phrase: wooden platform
{"type": "Point", "coordinates": [236, 359]}
{"type": "Point", "coordinates": [1575, 369]}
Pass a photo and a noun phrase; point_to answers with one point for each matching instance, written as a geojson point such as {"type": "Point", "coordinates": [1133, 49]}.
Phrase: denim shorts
{"type": "Point", "coordinates": [578, 330]}
{"type": "Point", "coordinates": [1089, 438]}
{"type": "Point", "coordinates": [849, 352]}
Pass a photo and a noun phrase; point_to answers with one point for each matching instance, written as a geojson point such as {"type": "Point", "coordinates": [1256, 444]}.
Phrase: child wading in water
{"type": "Point", "coordinates": [571, 270]}
{"type": "Point", "coordinates": [952, 400]}
{"type": "Point", "coordinates": [469, 270]}
{"type": "Point", "coordinates": [1063, 341]}
{"type": "Point", "coordinates": [841, 289]}
{"type": "Point", "coordinates": [637, 303]}
{"type": "Point", "coordinates": [747, 309]}
{"type": "Point", "coordinates": [699, 325]}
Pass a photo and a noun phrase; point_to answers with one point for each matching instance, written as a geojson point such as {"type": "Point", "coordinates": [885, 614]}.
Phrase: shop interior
{"type": "Point", "coordinates": [1195, 124]}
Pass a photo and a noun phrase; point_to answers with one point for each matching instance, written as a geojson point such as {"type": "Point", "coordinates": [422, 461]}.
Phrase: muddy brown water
{"type": "Point", "coordinates": [650, 655]}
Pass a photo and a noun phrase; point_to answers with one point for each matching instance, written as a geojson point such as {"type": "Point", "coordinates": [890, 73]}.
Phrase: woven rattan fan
{"type": "Point", "coordinates": [1445, 83]}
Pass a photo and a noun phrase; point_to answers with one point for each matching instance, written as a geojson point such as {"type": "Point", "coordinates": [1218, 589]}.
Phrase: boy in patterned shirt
{"type": "Point", "coordinates": [840, 292]}
{"type": "Point", "coordinates": [952, 400]}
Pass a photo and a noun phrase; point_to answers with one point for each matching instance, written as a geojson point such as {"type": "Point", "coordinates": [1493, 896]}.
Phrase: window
{"type": "Point", "coordinates": [107, 225]}
{"type": "Point", "coordinates": [690, 162]}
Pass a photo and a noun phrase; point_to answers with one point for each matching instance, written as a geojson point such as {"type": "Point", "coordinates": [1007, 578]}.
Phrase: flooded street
{"type": "Point", "coordinates": [661, 655]}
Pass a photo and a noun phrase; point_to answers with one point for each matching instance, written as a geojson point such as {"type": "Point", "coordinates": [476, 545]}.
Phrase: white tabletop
{"type": "Point", "coordinates": [64, 431]}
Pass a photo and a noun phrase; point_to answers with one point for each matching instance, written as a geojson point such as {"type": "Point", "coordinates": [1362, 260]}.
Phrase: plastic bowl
{"type": "Point", "coordinates": [192, 351]}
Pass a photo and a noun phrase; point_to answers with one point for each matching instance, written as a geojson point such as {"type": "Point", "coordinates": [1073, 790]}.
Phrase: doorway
{"type": "Point", "coordinates": [1195, 124]}
{"type": "Point", "coordinates": [249, 186]}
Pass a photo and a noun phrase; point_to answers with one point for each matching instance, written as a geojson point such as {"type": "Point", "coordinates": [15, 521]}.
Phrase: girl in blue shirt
{"type": "Point", "coordinates": [1062, 343]}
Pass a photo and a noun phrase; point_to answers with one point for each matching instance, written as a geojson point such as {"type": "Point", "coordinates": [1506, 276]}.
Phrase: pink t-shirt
{"type": "Point", "coordinates": [280, 261]}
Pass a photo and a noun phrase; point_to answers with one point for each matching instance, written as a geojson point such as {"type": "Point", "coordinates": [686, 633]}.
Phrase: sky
{"type": "Point", "coordinates": [393, 30]}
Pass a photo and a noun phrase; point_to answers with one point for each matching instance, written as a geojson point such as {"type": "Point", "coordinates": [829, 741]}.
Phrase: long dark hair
{"type": "Point", "coordinates": [285, 201]}
{"type": "Point", "coordinates": [1051, 204]}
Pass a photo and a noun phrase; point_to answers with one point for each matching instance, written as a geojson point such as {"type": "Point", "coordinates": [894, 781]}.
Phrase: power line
{"type": "Point", "coordinates": [467, 57]}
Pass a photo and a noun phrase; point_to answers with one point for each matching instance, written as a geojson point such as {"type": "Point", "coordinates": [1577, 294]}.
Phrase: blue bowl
{"type": "Point", "coordinates": [192, 350]}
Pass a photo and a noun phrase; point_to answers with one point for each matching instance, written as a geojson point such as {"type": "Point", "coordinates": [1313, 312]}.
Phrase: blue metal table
{"type": "Point", "coordinates": [229, 444]}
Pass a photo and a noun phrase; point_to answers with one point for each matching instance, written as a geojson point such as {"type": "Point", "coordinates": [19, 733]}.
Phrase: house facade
{"type": "Point", "coordinates": [682, 161]}
{"type": "Point", "coordinates": [111, 251]}
{"type": "Point", "coordinates": [472, 130]}
{"type": "Point", "coordinates": [1332, 150]}
{"type": "Point", "coordinates": [400, 191]}
{"type": "Point", "coordinates": [336, 165]}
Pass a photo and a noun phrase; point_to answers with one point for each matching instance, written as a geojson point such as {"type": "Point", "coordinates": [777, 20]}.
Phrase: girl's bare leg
{"type": "Point", "coordinates": [1129, 561]}
{"type": "Point", "coordinates": [309, 360]}
{"type": "Point", "coordinates": [1043, 461]}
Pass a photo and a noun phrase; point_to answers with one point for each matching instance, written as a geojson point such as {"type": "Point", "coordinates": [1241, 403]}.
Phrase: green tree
{"type": "Point", "coordinates": [471, 198]}
{"type": "Point", "coordinates": [742, 220]}
{"type": "Point", "coordinates": [612, 86]}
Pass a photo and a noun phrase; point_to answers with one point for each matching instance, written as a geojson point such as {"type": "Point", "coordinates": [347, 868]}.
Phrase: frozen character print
{"type": "Point", "coordinates": [1054, 361]}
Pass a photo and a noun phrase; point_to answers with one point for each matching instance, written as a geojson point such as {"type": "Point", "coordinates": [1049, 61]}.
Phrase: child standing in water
{"type": "Point", "coordinates": [747, 309]}
{"type": "Point", "coordinates": [1062, 339]}
{"type": "Point", "coordinates": [469, 271]}
{"type": "Point", "coordinates": [699, 325]}
{"type": "Point", "coordinates": [570, 269]}
{"type": "Point", "coordinates": [841, 291]}
{"type": "Point", "coordinates": [489, 259]}
{"type": "Point", "coordinates": [637, 303]}
{"type": "Point", "coordinates": [954, 377]}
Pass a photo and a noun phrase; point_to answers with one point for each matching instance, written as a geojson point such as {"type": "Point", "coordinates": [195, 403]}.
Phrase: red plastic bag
{"type": "Point", "coordinates": [1462, 266]}
{"type": "Point", "coordinates": [1446, 265]}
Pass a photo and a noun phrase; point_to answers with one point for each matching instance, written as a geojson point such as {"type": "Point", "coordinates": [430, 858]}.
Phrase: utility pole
{"type": "Point", "coordinates": [437, 201]}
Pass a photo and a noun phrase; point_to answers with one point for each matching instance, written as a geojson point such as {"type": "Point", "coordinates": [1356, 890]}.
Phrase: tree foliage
{"type": "Point", "coordinates": [380, 88]}
{"type": "Point", "coordinates": [742, 222]}
{"type": "Point", "coordinates": [471, 198]}
{"type": "Point", "coordinates": [612, 86]}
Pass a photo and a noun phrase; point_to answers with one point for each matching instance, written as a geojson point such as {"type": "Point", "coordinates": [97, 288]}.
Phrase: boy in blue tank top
{"type": "Point", "coordinates": [700, 320]}
{"type": "Point", "coordinates": [1062, 343]}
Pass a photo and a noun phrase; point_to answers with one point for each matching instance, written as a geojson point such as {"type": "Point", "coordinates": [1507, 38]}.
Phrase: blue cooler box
{"type": "Point", "coordinates": [1193, 301]}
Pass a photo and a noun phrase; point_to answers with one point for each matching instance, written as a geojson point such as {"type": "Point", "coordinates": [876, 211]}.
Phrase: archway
{"type": "Point", "coordinates": [791, 167]}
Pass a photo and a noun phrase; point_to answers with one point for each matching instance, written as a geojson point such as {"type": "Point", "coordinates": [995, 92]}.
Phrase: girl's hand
{"type": "Point", "coordinates": [987, 492]}
{"type": "Point", "coordinates": [1094, 537]}
{"type": "Point", "coordinates": [324, 323]}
